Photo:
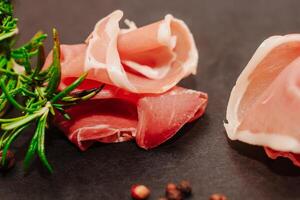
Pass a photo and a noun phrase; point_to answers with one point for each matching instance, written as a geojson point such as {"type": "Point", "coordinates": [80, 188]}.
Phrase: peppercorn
{"type": "Point", "coordinates": [185, 187]}
{"type": "Point", "coordinates": [171, 186]}
{"type": "Point", "coordinates": [162, 198]}
{"type": "Point", "coordinates": [218, 197]}
{"type": "Point", "coordinates": [173, 193]}
{"type": "Point", "coordinates": [9, 161]}
{"type": "Point", "coordinates": [140, 192]}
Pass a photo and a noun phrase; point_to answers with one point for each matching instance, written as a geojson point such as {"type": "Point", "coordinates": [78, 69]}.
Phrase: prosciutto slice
{"type": "Point", "coordinates": [150, 59]}
{"type": "Point", "coordinates": [264, 105]}
{"type": "Point", "coordinates": [295, 158]}
{"type": "Point", "coordinates": [140, 67]}
{"type": "Point", "coordinates": [115, 115]}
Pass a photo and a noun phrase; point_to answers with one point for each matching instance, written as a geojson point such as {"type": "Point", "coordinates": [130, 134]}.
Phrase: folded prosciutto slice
{"type": "Point", "coordinates": [150, 59]}
{"type": "Point", "coordinates": [140, 67]}
{"type": "Point", "coordinates": [115, 115]}
{"type": "Point", "coordinates": [264, 105]}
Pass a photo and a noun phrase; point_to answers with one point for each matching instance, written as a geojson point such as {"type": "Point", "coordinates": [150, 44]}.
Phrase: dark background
{"type": "Point", "coordinates": [227, 33]}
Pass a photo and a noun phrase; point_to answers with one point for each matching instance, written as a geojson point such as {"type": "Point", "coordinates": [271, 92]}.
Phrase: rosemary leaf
{"type": "Point", "coordinates": [69, 89]}
{"type": "Point", "coordinates": [28, 118]}
{"type": "Point", "coordinates": [11, 99]}
{"type": "Point", "coordinates": [55, 70]}
{"type": "Point", "coordinates": [15, 134]}
{"type": "Point", "coordinates": [31, 151]}
{"type": "Point", "coordinates": [41, 141]}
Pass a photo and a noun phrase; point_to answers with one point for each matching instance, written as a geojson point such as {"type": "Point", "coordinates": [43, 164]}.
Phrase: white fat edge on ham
{"type": "Point", "coordinates": [131, 26]}
{"type": "Point", "coordinates": [164, 34]}
{"type": "Point", "coordinates": [113, 64]}
{"type": "Point", "coordinates": [190, 65]}
{"type": "Point", "coordinates": [186, 91]}
{"type": "Point", "coordinates": [149, 72]}
{"type": "Point", "coordinates": [104, 127]}
{"type": "Point", "coordinates": [274, 140]}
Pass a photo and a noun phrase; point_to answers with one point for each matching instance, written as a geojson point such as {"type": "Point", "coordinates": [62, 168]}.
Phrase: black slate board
{"type": "Point", "coordinates": [227, 33]}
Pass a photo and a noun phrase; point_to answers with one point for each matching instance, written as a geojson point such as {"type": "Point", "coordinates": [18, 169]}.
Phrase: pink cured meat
{"type": "Point", "coordinates": [115, 115]}
{"type": "Point", "coordinates": [163, 115]}
{"type": "Point", "coordinates": [140, 67]}
{"type": "Point", "coordinates": [295, 158]}
{"type": "Point", "coordinates": [264, 105]}
{"type": "Point", "coordinates": [150, 59]}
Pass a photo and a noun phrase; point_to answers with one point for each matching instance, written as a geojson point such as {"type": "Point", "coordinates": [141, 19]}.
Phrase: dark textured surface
{"type": "Point", "coordinates": [227, 33]}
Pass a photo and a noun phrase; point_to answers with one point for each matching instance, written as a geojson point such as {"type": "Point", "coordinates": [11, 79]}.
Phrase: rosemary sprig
{"type": "Point", "coordinates": [38, 88]}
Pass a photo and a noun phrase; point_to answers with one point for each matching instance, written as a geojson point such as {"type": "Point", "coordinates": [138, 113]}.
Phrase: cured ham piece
{"type": "Point", "coordinates": [150, 59]}
{"type": "Point", "coordinates": [140, 67]}
{"type": "Point", "coordinates": [295, 158]}
{"type": "Point", "coordinates": [160, 117]}
{"type": "Point", "coordinates": [115, 115]}
{"type": "Point", "coordinates": [264, 105]}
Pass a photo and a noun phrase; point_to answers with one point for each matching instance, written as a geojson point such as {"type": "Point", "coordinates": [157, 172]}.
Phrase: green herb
{"type": "Point", "coordinates": [38, 88]}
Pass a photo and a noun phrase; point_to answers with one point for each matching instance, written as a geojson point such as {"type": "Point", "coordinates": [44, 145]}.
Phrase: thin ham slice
{"type": "Point", "coordinates": [140, 67]}
{"type": "Point", "coordinates": [150, 59]}
{"type": "Point", "coordinates": [295, 158]}
{"type": "Point", "coordinates": [115, 115]}
{"type": "Point", "coordinates": [264, 104]}
{"type": "Point", "coordinates": [160, 117]}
